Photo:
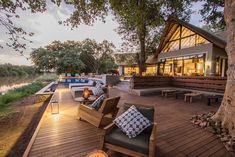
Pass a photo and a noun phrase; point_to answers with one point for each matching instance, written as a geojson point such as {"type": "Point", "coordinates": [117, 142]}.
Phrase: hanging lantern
{"type": "Point", "coordinates": [86, 93]}
{"type": "Point", "coordinates": [55, 107]}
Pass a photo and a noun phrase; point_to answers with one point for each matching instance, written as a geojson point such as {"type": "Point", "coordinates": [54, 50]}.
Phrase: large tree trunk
{"type": "Point", "coordinates": [226, 112]}
{"type": "Point", "coordinates": [142, 56]}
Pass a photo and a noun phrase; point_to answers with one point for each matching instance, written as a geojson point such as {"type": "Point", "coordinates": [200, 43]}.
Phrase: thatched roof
{"type": "Point", "coordinates": [219, 39]}
{"type": "Point", "coordinates": [126, 58]}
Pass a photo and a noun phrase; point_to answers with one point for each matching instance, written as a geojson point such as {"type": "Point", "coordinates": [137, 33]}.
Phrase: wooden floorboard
{"type": "Point", "coordinates": [63, 135]}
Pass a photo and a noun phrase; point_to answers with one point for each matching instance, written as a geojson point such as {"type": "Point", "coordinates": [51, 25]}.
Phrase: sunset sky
{"type": "Point", "coordinates": [46, 28]}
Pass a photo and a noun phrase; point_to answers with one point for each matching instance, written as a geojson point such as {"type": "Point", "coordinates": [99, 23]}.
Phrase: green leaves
{"type": "Point", "coordinates": [74, 57]}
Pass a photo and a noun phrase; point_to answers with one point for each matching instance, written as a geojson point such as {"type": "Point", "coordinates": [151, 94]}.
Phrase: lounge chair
{"type": "Point", "coordinates": [142, 145]}
{"type": "Point", "coordinates": [105, 114]}
{"type": "Point", "coordinates": [90, 83]}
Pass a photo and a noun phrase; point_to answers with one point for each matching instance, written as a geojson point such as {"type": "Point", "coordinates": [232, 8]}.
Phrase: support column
{"type": "Point", "coordinates": [223, 68]}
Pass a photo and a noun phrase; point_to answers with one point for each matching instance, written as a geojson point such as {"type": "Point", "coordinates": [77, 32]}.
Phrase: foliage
{"type": "Point", "coordinates": [8, 13]}
{"type": "Point", "coordinates": [140, 22]}
{"type": "Point", "coordinates": [16, 70]}
{"type": "Point", "coordinates": [19, 93]}
{"type": "Point", "coordinates": [213, 14]}
{"type": "Point", "coordinates": [75, 57]}
{"type": "Point", "coordinates": [47, 77]}
{"type": "Point", "coordinates": [126, 58]}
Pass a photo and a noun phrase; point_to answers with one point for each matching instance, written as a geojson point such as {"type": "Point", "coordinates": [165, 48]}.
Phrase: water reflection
{"type": "Point", "coordinates": [8, 83]}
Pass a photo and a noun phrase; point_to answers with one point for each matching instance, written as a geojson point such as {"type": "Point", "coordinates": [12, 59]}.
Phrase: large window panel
{"type": "Point", "coordinates": [173, 45]}
{"type": "Point", "coordinates": [186, 32]}
{"type": "Point", "coordinates": [176, 35]}
{"type": "Point", "coordinates": [200, 40]}
{"type": "Point", "coordinates": [188, 39]}
{"type": "Point", "coordinates": [188, 42]}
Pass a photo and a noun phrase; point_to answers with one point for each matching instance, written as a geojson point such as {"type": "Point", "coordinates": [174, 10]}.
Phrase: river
{"type": "Point", "coordinates": [8, 83]}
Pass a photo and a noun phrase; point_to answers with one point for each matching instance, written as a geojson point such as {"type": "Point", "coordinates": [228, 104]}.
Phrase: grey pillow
{"type": "Point", "coordinates": [97, 103]}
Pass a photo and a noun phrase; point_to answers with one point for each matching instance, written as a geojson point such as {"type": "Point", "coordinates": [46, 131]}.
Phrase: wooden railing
{"type": "Point", "coordinates": [210, 84]}
{"type": "Point", "coordinates": [138, 82]}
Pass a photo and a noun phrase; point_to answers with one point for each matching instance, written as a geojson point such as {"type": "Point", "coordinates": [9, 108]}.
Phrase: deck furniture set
{"type": "Point", "coordinates": [190, 95]}
{"type": "Point", "coordinates": [103, 112]}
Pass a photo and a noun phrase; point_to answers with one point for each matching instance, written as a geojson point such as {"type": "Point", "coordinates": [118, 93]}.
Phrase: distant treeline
{"type": "Point", "coordinates": [16, 70]}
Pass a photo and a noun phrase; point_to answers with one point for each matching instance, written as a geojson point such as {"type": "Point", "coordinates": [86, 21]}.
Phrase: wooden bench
{"type": "Point", "coordinates": [191, 95]}
{"type": "Point", "coordinates": [44, 93]}
{"type": "Point", "coordinates": [167, 91]}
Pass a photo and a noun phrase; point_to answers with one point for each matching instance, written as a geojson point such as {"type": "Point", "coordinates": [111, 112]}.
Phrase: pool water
{"type": "Point", "coordinates": [73, 80]}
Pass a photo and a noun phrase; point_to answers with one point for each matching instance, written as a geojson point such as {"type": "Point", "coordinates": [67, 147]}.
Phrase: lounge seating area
{"type": "Point", "coordinates": [173, 134]}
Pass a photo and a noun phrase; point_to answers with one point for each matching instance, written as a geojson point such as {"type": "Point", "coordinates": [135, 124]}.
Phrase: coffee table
{"type": "Point", "coordinates": [81, 100]}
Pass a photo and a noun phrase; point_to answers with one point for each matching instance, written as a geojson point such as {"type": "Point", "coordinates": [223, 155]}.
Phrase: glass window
{"type": "Point", "coordinates": [176, 35]}
{"type": "Point", "coordinates": [194, 67]}
{"type": "Point", "coordinates": [186, 32]}
{"type": "Point", "coordinates": [200, 40]}
{"type": "Point", "coordinates": [131, 70]}
{"type": "Point", "coordinates": [188, 42]}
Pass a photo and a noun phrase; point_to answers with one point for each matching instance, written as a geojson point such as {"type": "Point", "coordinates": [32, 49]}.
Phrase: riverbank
{"type": "Point", "coordinates": [24, 91]}
{"type": "Point", "coordinates": [18, 125]}
{"type": "Point", "coordinates": [19, 116]}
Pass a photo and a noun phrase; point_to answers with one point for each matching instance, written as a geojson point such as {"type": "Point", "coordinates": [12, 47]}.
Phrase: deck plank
{"type": "Point", "coordinates": [63, 135]}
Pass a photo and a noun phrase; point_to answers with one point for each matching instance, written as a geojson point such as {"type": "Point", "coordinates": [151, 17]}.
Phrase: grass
{"type": "Point", "coordinates": [16, 94]}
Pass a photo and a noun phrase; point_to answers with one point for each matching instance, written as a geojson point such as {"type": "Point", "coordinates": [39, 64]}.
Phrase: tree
{"type": "Point", "coordinates": [63, 57]}
{"type": "Point", "coordinates": [213, 14]}
{"type": "Point", "coordinates": [225, 114]}
{"type": "Point", "coordinates": [43, 59]}
{"type": "Point", "coordinates": [8, 12]}
{"type": "Point", "coordinates": [75, 57]}
{"type": "Point", "coordinates": [140, 21]}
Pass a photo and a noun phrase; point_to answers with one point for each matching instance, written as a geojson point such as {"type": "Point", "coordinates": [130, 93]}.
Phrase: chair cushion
{"type": "Point", "coordinates": [138, 144]}
{"type": "Point", "coordinates": [97, 103]}
{"type": "Point", "coordinates": [98, 84]}
{"type": "Point", "coordinates": [97, 91]}
{"type": "Point", "coordinates": [132, 122]}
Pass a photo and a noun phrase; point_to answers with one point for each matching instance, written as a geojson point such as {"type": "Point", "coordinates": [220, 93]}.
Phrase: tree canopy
{"type": "Point", "coordinates": [75, 57]}
{"type": "Point", "coordinates": [140, 21]}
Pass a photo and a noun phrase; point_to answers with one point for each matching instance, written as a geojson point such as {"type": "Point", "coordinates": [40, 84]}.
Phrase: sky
{"type": "Point", "coordinates": [47, 29]}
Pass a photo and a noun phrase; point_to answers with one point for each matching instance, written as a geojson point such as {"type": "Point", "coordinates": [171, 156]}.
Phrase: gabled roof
{"type": "Point", "coordinates": [171, 24]}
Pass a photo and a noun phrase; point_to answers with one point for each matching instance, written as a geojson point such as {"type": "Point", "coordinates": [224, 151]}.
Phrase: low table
{"type": "Point", "coordinates": [181, 93]}
{"type": "Point", "coordinates": [90, 100]}
{"type": "Point", "coordinates": [216, 98]}
{"type": "Point", "coordinates": [165, 92]}
{"type": "Point", "coordinates": [191, 95]}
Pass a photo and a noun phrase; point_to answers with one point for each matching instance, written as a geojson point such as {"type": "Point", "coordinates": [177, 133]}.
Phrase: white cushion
{"type": "Point", "coordinates": [98, 85]}
{"type": "Point", "coordinates": [97, 103]}
{"type": "Point", "coordinates": [132, 122]}
{"type": "Point", "coordinates": [97, 91]}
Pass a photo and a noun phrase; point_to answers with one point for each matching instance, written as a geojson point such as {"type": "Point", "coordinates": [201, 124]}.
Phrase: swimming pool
{"type": "Point", "coordinates": [68, 80]}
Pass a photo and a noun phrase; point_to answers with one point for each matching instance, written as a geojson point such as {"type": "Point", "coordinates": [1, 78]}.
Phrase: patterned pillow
{"type": "Point", "coordinates": [97, 103]}
{"type": "Point", "coordinates": [132, 122]}
{"type": "Point", "coordinates": [98, 85]}
{"type": "Point", "coordinates": [97, 91]}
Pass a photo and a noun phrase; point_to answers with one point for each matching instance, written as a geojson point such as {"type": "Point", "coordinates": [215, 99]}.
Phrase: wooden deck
{"type": "Point", "coordinates": [64, 135]}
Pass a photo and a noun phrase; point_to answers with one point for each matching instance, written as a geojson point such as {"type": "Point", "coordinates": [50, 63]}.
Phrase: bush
{"type": "Point", "coordinates": [19, 93]}
{"type": "Point", "coordinates": [47, 77]}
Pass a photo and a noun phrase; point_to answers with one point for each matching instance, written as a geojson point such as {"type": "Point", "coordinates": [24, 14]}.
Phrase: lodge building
{"type": "Point", "coordinates": [186, 50]}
